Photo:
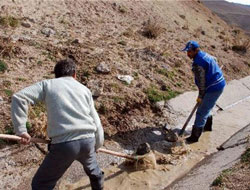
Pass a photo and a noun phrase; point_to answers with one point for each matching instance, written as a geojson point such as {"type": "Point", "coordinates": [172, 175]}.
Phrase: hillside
{"type": "Point", "coordinates": [137, 38]}
{"type": "Point", "coordinates": [232, 13]}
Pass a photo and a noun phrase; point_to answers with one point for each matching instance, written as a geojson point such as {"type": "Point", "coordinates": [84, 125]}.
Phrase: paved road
{"type": "Point", "coordinates": [202, 176]}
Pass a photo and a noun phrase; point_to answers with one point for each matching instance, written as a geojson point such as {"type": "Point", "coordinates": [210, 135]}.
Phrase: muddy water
{"type": "Point", "coordinates": [172, 163]}
{"type": "Point", "coordinates": [127, 177]}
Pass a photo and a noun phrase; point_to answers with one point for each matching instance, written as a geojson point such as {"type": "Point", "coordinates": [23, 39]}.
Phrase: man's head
{"type": "Point", "coordinates": [192, 48]}
{"type": "Point", "coordinates": [65, 68]}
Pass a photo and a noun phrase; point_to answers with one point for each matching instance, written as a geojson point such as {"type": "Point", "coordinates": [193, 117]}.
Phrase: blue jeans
{"type": "Point", "coordinates": [205, 108]}
{"type": "Point", "coordinates": [61, 156]}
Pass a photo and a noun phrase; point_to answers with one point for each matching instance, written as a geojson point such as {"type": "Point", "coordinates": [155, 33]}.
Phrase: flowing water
{"type": "Point", "coordinates": [174, 159]}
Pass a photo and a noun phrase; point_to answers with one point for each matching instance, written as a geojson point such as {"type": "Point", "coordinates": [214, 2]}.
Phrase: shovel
{"type": "Point", "coordinates": [38, 140]}
{"type": "Point", "coordinates": [173, 137]}
{"type": "Point", "coordinates": [188, 119]}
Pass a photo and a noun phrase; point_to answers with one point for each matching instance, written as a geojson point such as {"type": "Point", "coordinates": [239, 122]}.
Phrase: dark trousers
{"type": "Point", "coordinates": [61, 156]}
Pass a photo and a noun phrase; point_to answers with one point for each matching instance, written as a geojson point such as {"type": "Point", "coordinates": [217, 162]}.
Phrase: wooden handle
{"type": "Point", "coordinates": [188, 119]}
{"type": "Point", "coordinates": [37, 140]}
{"type": "Point", "coordinates": [17, 138]}
{"type": "Point", "coordinates": [116, 154]}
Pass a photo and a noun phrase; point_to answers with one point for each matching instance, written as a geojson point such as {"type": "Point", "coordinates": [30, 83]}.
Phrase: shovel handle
{"type": "Point", "coordinates": [116, 153]}
{"type": "Point", "coordinates": [38, 140]}
{"type": "Point", "coordinates": [17, 138]}
{"type": "Point", "coordinates": [188, 119]}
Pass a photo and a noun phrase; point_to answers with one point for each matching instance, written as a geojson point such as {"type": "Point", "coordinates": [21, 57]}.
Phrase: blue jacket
{"type": "Point", "coordinates": [208, 75]}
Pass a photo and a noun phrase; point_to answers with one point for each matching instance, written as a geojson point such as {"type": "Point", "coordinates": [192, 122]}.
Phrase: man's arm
{"type": "Point", "coordinates": [200, 78]}
{"type": "Point", "coordinates": [19, 107]}
{"type": "Point", "coordinates": [99, 134]}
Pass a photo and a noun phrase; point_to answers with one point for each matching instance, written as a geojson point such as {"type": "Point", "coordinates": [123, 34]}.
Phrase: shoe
{"type": "Point", "coordinates": [209, 123]}
{"type": "Point", "coordinates": [195, 135]}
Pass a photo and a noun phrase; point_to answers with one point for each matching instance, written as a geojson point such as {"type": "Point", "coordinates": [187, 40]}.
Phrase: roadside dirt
{"type": "Point", "coordinates": [237, 177]}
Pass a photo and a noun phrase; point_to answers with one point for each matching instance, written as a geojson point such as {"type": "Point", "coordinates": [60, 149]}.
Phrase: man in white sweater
{"type": "Point", "coordinates": [74, 126]}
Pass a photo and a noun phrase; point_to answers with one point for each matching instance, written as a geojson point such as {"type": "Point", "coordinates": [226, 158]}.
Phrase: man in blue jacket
{"type": "Point", "coordinates": [210, 82]}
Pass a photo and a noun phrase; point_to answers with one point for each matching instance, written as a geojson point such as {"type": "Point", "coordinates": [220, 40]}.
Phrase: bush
{"type": "Point", "coordinates": [3, 66]}
{"type": "Point", "coordinates": [102, 109]}
{"type": "Point", "coordinates": [246, 156]}
{"type": "Point", "coordinates": [217, 181]}
{"type": "Point", "coordinates": [28, 126]}
{"type": "Point", "coordinates": [9, 21]}
{"type": "Point", "coordinates": [8, 92]}
{"type": "Point", "coordinates": [241, 44]}
{"type": "Point", "coordinates": [152, 29]}
{"type": "Point", "coordinates": [240, 48]}
{"type": "Point", "coordinates": [9, 130]}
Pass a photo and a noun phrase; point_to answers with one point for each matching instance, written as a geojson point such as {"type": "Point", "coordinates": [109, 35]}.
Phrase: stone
{"type": "Point", "coordinates": [143, 148]}
{"type": "Point", "coordinates": [96, 88]}
{"type": "Point", "coordinates": [1, 99]}
{"type": "Point", "coordinates": [103, 68]}
{"type": "Point", "coordinates": [26, 24]}
{"type": "Point", "coordinates": [126, 78]}
{"type": "Point", "coordinates": [48, 32]}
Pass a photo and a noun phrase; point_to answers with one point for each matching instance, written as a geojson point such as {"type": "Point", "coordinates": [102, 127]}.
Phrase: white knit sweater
{"type": "Point", "coordinates": [70, 109]}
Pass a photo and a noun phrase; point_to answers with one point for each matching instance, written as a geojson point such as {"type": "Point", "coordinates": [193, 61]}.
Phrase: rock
{"type": "Point", "coordinates": [1, 99]}
{"type": "Point", "coordinates": [126, 78]}
{"type": "Point", "coordinates": [77, 41]}
{"type": "Point", "coordinates": [103, 68]}
{"type": "Point", "coordinates": [26, 24]}
{"type": "Point", "coordinates": [143, 148]}
{"type": "Point", "coordinates": [171, 136]}
{"type": "Point", "coordinates": [159, 106]}
{"type": "Point", "coordinates": [48, 32]}
{"type": "Point", "coordinates": [96, 88]}
{"type": "Point", "coordinates": [14, 38]}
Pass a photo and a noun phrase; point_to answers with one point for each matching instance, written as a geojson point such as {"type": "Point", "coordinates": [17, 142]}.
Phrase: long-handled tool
{"type": "Point", "coordinates": [172, 135]}
{"type": "Point", "coordinates": [188, 119]}
{"type": "Point", "coordinates": [38, 140]}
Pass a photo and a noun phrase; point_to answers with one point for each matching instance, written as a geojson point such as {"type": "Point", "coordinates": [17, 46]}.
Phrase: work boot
{"type": "Point", "coordinates": [208, 125]}
{"type": "Point", "coordinates": [195, 135]}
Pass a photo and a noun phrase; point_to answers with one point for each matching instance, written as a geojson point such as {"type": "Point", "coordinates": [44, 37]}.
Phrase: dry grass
{"type": "Point", "coordinates": [152, 28]}
{"type": "Point", "coordinates": [241, 46]}
{"type": "Point", "coordinates": [7, 47]}
{"type": "Point", "coordinates": [241, 43]}
{"type": "Point", "coordinates": [7, 21]}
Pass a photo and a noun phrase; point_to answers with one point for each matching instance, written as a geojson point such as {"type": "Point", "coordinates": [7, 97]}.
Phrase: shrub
{"type": "Point", "coordinates": [152, 29]}
{"type": "Point", "coordinates": [118, 99]}
{"type": "Point", "coordinates": [128, 32]}
{"type": "Point", "coordinates": [102, 109]}
{"type": "Point", "coordinates": [8, 92]}
{"type": "Point", "coordinates": [3, 66]}
{"type": "Point", "coordinates": [246, 156]}
{"type": "Point", "coordinates": [241, 48]}
{"type": "Point", "coordinates": [217, 181]}
{"type": "Point", "coordinates": [9, 130]}
{"type": "Point", "coordinates": [9, 21]}
{"type": "Point", "coordinates": [122, 9]}
{"type": "Point", "coordinates": [240, 44]}
{"type": "Point", "coordinates": [38, 109]}
{"type": "Point", "coordinates": [28, 126]}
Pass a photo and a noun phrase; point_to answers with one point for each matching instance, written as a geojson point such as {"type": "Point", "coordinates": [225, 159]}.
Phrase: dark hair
{"type": "Point", "coordinates": [66, 67]}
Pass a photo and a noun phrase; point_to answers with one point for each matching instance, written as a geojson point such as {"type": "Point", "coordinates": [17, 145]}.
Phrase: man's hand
{"type": "Point", "coordinates": [25, 138]}
{"type": "Point", "coordinates": [199, 100]}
